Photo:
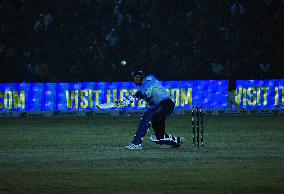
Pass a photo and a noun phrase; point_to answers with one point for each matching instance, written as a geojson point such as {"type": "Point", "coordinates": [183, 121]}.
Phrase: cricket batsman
{"type": "Point", "coordinates": [160, 107]}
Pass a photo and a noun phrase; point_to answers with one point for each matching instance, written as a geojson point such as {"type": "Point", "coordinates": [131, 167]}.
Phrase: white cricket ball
{"type": "Point", "coordinates": [123, 62]}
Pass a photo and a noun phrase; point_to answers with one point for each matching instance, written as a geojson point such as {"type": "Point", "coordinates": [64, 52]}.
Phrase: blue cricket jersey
{"type": "Point", "coordinates": [152, 91]}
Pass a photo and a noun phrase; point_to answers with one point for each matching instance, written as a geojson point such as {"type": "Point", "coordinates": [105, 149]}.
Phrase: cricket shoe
{"type": "Point", "coordinates": [133, 146]}
{"type": "Point", "coordinates": [180, 140]}
{"type": "Point", "coordinates": [153, 138]}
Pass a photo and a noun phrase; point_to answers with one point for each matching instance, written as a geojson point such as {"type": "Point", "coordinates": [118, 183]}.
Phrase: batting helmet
{"type": "Point", "coordinates": [137, 72]}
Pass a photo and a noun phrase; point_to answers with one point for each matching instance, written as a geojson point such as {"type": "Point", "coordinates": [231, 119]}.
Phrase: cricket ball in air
{"type": "Point", "coordinates": [123, 62]}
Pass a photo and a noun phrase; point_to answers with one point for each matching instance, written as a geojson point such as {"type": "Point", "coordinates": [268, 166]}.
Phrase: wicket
{"type": "Point", "coordinates": [197, 126]}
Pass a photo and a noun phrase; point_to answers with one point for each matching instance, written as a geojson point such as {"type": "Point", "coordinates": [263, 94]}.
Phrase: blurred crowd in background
{"type": "Point", "coordinates": [87, 40]}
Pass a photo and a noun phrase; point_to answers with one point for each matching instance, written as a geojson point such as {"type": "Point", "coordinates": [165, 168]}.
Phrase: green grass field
{"type": "Point", "coordinates": [80, 155]}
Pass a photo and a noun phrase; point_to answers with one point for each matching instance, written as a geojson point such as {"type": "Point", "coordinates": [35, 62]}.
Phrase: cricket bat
{"type": "Point", "coordinates": [116, 104]}
{"type": "Point", "coordinates": [105, 106]}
